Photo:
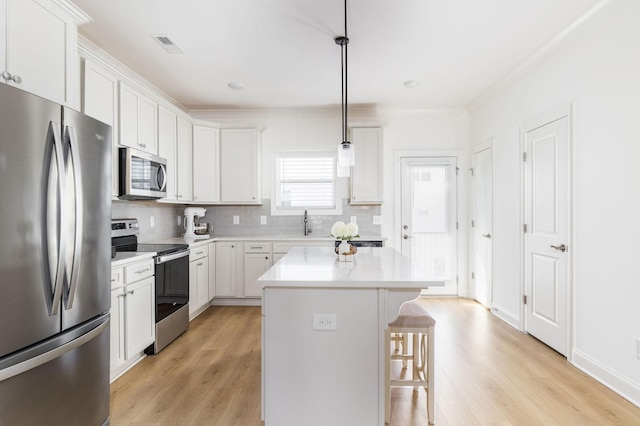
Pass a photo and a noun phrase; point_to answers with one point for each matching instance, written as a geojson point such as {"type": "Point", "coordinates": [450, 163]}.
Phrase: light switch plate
{"type": "Point", "coordinates": [353, 219]}
{"type": "Point", "coordinates": [377, 220]}
{"type": "Point", "coordinates": [152, 221]}
{"type": "Point", "coordinates": [263, 220]}
{"type": "Point", "coordinates": [236, 220]}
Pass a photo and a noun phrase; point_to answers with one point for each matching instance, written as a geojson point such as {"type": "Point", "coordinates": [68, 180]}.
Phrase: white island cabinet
{"type": "Point", "coordinates": [323, 333]}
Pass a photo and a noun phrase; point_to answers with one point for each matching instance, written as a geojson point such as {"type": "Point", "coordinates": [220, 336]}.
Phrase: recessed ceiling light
{"type": "Point", "coordinates": [411, 83]}
{"type": "Point", "coordinates": [235, 85]}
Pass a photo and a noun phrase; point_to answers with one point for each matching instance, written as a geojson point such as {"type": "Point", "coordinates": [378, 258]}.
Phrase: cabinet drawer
{"type": "Point", "coordinates": [257, 247]}
{"type": "Point", "coordinates": [138, 271]}
{"type": "Point", "coordinates": [117, 277]}
{"type": "Point", "coordinates": [198, 253]}
{"type": "Point", "coordinates": [284, 247]}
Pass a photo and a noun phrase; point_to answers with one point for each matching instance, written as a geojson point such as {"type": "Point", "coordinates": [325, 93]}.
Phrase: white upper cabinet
{"type": "Point", "coordinates": [100, 101]}
{"type": "Point", "coordinates": [138, 120]}
{"type": "Point", "coordinates": [206, 164]}
{"type": "Point", "coordinates": [239, 166]}
{"type": "Point", "coordinates": [168, 148]}
{"type": "Point", "coordinates": [41, 56]}
{"type": "Point", "coordinates": [366, 174]}
{"type": "Point", "coordinates": [184, 161]}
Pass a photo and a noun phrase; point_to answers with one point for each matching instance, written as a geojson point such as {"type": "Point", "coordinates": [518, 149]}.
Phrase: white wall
{"type": "Point", "coordinates": [599, 72]}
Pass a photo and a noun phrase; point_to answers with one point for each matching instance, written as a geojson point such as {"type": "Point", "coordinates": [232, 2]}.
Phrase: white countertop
{"type": "Point", "coordinates": [372, 267]}
{"type": "Point", "coordinates": [124, 257]}
{"type": "Point", "coordinates": [205, 239]}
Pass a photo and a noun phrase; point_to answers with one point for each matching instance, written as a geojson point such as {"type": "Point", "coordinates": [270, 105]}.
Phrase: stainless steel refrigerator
{"type": "Point", "coordinates": [55, 254]}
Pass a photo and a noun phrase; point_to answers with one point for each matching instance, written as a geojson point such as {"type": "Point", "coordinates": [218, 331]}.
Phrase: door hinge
{"type": "Point", "coordinates": [473, 275]}
{"type": "Point", "coordinates": [473, 224]}
{"type": "Point", "coordinates": [457, 280]}
{"type": "Point", "coordinates": [471, 170]}
{"type": "Point", "coordinates": [456, 225]}
{"type": "Point", "coordinates": [524, 228]}
{"type": "Point", "coordinates": [524, 156]}
{"type": "Point", "coordinates": [524, 299]}
{"type": "Point", "coordinates": [457, 170]}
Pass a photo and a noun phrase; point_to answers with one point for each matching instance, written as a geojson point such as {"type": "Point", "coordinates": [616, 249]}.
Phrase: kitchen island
{"type": "Point", "coordinates": [323, 333]}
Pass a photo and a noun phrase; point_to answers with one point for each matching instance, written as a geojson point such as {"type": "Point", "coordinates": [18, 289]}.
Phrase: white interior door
{"type": "Point", "coordinates": [428, 228]}
{"type": "Point", "coordinates": [482, 226]}
{"type": "Point", "coordinates": [547, 232]}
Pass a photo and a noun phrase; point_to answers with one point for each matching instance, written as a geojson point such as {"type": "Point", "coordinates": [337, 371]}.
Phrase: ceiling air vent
{"type": "Point", "coordinates": [167, 43]}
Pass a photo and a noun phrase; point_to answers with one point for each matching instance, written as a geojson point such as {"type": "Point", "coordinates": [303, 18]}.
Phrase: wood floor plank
{"type": "Point", "coordinates": [487, 373]}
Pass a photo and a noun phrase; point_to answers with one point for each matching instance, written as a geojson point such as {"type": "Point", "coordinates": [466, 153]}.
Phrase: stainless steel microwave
{"type": "Point", "coordinates": [143, 176]}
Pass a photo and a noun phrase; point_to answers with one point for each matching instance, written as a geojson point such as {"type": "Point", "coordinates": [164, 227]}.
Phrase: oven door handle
{"type": "Point", "coordinates": [173, 256]}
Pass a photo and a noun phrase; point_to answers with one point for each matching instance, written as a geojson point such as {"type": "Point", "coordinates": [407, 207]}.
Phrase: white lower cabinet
{"type": "Point", "coordinates": [198, 280]}
{"type": "Point", "coordinates": [257, 260]}
{"type": "Point", "coordinates": [226, 268]}
{"type": "Point", "coordinates": [132, 314]}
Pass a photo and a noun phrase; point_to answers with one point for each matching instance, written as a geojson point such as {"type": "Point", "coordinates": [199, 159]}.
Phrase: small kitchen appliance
{"type": "Point", "coordinates": [191, 222]}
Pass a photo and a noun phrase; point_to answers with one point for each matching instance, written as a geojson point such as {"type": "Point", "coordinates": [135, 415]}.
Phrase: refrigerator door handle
{"type": "Point", "coordinates": [41, 359]}
{"type": "Point", "coordinates": [75, 202]}
{"type": "Point", "coordinates": [54, 216]}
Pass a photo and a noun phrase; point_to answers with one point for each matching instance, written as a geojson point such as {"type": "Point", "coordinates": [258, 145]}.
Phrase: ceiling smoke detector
{"type": "Point", "coordinates": [167, 43]}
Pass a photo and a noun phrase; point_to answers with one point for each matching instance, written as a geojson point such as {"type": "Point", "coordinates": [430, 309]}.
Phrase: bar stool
{"type": "Point", "coordinates": [414, 321]}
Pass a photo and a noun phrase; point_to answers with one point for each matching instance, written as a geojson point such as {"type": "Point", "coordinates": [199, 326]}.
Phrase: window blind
{"type": "Point", "coordinates": [305, 181]}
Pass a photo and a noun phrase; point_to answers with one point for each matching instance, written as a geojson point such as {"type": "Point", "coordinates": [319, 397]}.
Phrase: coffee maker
{"type": "Point", "coordinates": [191, 225]}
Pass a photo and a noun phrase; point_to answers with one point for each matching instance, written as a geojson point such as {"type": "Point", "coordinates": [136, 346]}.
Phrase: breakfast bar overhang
{"type": "Point", "coordinates": [323, 333]}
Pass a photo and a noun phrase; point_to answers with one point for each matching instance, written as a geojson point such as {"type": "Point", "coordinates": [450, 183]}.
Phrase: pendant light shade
{"type": "Point", "coordinates": [345, 149]}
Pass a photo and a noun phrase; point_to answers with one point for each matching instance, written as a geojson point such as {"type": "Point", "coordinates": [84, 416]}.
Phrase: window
{"type": "Point", "coordinates": [305, 180]}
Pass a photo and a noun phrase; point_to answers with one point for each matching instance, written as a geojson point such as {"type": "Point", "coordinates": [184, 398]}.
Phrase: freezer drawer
{"type": "Point", "coordinates": [62, 381]}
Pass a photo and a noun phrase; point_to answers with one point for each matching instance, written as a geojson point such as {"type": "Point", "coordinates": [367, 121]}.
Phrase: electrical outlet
{"type": "Point", "coordinates": [263, 220]}
{"type": "Point", "coordinates": [152, 221]}
{"type": "Point", "coordinates": [353, 219]}
{"type": "Point", "coordinates": [236, 220]}
{"type": "Point", "coordinates": [325, 322]}
{"type": "Point", "coordinates": [636, 340]}
{"type": "Point", "coordinates": [179, 220]}
{"type": "Point", "coordinates": [377, 220]}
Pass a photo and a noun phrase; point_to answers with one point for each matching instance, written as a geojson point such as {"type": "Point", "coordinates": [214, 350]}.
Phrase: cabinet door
{"type": "Point", "coordinates": [129, 100]}
{"type": "Point", "coordinates": [41, 50]}
{"type": "Point", "coordinates": [139, 316]}
{"type": "Point", "coordinates": [198, 284]}
{"type": "Point", "coordinates": [117, 352]}
{"type": "Point", "coordinates": [148, 125]}
{"type": "Point", "coordinates": [255, 264]}
{"type": "Point", "coordinates": [212, 271]}
{"type": "Point", "coordinates": [167, 148]}
{"type": "Point", "coordinates": [100, 101]}
{"type": "Point", "coordinates": [205, 164]}
{"type": "Point", "coordinates": [185, 165]}
{"type": "Point", "coordinates": [366, 174]}
{"type": "Point", "coordinates": [225, 269]}
{"type": "Point", "coordinates": [239, 166]}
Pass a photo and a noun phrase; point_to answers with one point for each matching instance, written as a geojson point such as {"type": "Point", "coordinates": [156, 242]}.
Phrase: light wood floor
{"type": "Point", "coordinates": [486, 373]}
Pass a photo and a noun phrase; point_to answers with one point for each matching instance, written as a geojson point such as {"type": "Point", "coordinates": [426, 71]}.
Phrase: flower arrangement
{"type": "Point", "coordinates": [344, 232]}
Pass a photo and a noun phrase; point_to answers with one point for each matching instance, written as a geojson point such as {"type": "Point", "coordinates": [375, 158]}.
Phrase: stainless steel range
{"type": "Point", "coordinates": [172, 281]}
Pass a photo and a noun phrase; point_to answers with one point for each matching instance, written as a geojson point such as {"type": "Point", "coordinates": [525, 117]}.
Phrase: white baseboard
{"type": "Point", "coordinates": [507, 317]}
{"type": "Point", "coordinates": [609, 378]}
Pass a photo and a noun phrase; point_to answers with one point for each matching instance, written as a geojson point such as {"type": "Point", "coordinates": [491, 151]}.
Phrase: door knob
{"type": "Point", "coordinates": [561, 247]}
{"type": "Point", "coordinates": [405, 227]}
{"type": "Point", "coordinates": [486, 235]}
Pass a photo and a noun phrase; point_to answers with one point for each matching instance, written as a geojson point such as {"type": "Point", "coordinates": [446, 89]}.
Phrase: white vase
{"type": "Point", "coordinates": [344, 252]}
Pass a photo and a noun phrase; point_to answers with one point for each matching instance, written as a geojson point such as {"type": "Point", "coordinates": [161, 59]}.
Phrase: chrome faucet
{"type": "Point", "coordinates": [307, 228]}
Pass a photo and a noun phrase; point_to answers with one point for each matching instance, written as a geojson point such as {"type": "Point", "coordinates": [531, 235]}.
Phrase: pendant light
{"type": "Point", "coordinates": [345, 149]}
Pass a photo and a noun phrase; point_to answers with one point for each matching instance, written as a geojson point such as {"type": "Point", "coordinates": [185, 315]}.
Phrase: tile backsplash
{"type": "Point", "coordinates": [164, 218]}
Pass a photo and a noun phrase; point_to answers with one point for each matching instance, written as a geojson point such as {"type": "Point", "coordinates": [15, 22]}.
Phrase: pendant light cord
{"type": "Point", "coordinates": [346, 73]}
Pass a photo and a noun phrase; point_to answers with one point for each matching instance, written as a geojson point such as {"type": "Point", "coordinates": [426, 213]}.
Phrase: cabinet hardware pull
{"type": "Point", "coordinates": [16, 79]}
{"type": "Point", "coordinates": [200, 264]}
{"type": "Point", "coordinates": [6, 75]}
{"type": "Point", "coordinates": [131, 291]}
{"type": "Point", "coordinates": [143, 270]}
{"type": "Point", "coordinates": [486, 235]}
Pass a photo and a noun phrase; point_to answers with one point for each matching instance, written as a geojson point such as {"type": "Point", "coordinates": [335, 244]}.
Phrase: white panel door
{"type": "Point", "coordinates": [547, 236]}
{"type": "Point", "coordinates": [429, 235]}
{"type": "Point", "coordinates": [167, 148]}
{"type": "Point", "coordinates": [482, 226]}
{"type": "Point", "coordinates": [205, 164]}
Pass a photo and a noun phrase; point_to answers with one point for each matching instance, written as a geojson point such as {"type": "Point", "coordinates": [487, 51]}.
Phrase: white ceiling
{"type": "Point", "coordinates": [284, 53]}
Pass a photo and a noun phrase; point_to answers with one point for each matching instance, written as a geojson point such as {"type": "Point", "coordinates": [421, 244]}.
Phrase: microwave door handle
{"type": "Point", "coordinates": [164, 177]}
{"type": "Point", "coordinates": [54, 216]}
{"type": "Point", "coordinates": [75, 221]}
